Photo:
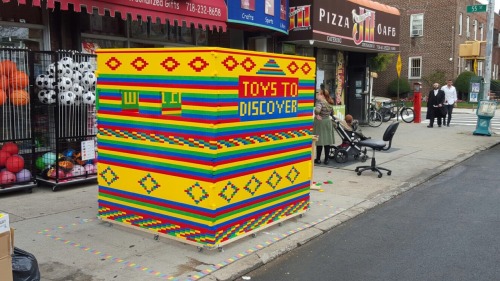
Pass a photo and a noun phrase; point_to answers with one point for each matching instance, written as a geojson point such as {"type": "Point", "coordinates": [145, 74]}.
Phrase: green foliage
{"type": "Point", "coordinates": [380, 62]}
{"type": "Point", "coordinates": [404, 87]}
{"type": "Point", "coordinates": [463, 80]}
{"type": "Point", "coordinates": [495, 86]}
{"type": "Point", "coordinates": [438, 76]}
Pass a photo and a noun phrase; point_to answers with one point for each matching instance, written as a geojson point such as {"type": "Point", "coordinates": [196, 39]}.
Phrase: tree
{"type": "Point", "coordinates": [380, 62]}
{"type": "Point", "coordinates": [462, 83]}
{"type": "Point", "coordinates": [404, 87]}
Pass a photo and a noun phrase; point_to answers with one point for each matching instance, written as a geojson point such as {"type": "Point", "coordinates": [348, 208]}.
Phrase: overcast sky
{"type": "Point", "coordinates": [497, 4]}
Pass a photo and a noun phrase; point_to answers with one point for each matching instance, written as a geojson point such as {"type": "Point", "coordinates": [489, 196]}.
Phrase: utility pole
{"type": "Point", "coordinates": [489, 49]}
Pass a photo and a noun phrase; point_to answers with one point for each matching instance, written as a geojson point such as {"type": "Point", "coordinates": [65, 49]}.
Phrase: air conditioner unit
{"type": "Point", "coordinates": [416, 32]}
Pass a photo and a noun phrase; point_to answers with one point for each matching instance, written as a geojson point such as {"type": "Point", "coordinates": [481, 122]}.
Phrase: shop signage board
{"type": "Point", "coordinates": [203, 145]}
{"type": "Point", "coordinates": [363, 25]}
{"type": "Point", "coordinates": [269, 14]}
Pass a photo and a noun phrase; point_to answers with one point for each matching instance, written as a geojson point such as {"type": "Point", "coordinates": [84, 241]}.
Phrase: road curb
{"type": "Point", "coordinates": [282, 247]}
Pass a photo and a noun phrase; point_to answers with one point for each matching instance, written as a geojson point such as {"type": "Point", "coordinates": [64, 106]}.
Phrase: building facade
{"type": "Point", "coordinates": [431, 35]}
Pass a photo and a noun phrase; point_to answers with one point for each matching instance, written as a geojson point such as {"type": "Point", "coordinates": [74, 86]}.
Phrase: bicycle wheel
{"type": "Point", "coordinates": [374, 118]}
{"type": "Point", "coordinates": [386, 114]}
{"type": "Point", "coordinates": [407, 114]}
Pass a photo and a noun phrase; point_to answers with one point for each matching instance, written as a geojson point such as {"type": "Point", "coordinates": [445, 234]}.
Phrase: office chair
{"type": "Point", "coordinates": [378, 145]}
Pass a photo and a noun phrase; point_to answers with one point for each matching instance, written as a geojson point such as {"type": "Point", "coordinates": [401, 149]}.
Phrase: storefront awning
{"type": "Point", "coordinates": [211, 13]}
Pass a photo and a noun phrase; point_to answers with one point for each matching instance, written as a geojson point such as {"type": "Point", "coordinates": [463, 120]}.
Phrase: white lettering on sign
{"type": "Point", "coordinates": [333, 19]}
{"type": "Point", "coordinates": [203, 9]}
{"type": "Point", "coordinates": [386, 30]}
{"type": "Point", "coordinates": [247, 16]}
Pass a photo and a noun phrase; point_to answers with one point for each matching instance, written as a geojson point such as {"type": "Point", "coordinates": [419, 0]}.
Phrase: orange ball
{"type": "Point", "coordinates": [7, 67]}
{"type": "Point", "coordinates": [4, 82]}
{"type": "Point", "coordinates": [19, 80]}
{"type": "Point", "coordinates": [3, 96]}
{"type": "Point", "coordinates": [19, 97]}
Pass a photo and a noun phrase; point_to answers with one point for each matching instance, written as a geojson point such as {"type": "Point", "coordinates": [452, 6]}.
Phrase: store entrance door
{"type": "Point", "coordinates": [355, 92]}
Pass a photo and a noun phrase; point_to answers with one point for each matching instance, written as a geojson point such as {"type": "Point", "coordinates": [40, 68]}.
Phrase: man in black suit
{"type": "Point", "coordinates": [435, 108]}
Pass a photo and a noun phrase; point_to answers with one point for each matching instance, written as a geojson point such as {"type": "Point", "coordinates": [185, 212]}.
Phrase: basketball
{"type": "Point", "coordinates": [19, 97]}
{"type": "Point", "coordinates": [7, 67]}
{"type": "Point", "coordinates": [15, 164]}
{"type": "Point", "coordinates": [3, 95]}
{"type": "Point", "coordinates": [11, 148]}
{"type": "Point", "coordinates": [19, 80]}
{"type": "Point", "coordinates": [4, 82]}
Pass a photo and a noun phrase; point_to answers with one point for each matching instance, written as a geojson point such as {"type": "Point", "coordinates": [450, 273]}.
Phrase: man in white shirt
{"type": "Point", "coordinates": [450, 93]}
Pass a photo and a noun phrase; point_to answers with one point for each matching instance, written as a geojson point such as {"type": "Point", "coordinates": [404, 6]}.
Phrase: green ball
{"type": "Point", "coordinates": [40, 165]}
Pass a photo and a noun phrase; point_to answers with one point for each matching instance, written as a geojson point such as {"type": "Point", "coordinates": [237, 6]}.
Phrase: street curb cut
{"type": "Point", "coordinates": [282, 247]}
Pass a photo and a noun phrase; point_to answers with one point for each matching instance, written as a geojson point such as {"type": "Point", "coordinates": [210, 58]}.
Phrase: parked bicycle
{"type": "Point", "coordinates": [373, 116]}
{"type": "Point", "coordinates": [389, 111]}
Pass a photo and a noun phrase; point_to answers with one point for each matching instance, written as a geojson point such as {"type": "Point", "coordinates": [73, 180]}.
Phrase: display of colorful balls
{"type": "Point", "coordinates": [49, 158]}
{"type": "Point", "coordinates": [40, 164]}
{"type": "Point", "coordinates": [23, 176]}
{"type": "Point", "coordinates": [7, 67]}
{"type": "Point", "coordinates": [3, 95]}
{"type": "Point", "coordinates": [52, 174]}
{"type": "Point", "coordinates": [4, 155]}
{"type": "Point", "coordinates": [7, 177]}
{"type": "Point", "coordinates": [19, 97]}
{"type": "Point", "coordinates": [19, 80]}
{"type": "Point", "coordinates": [90, 168]}
{"type": "Point", "coordinates": [14, 164]}
{"type": "Point", "coordinates": [11, 148]}
{"type": "Point", "coordinates": [78, 170]}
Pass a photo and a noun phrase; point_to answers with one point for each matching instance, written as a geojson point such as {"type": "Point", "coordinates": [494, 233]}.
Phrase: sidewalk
{"type": "Point", "coordinates": [61, 229]}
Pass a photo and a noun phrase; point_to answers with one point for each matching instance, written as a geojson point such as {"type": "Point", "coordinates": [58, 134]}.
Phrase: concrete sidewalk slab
{"type": "Point", "coordinates": [61, 229]}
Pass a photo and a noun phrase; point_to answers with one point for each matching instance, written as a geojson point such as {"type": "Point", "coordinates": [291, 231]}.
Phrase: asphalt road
{"type": "Point", "coordinates": [445, 229]}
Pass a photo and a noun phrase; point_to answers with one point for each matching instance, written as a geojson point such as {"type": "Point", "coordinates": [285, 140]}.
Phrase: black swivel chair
{"type": "Point", "coordinates": [378, 145]}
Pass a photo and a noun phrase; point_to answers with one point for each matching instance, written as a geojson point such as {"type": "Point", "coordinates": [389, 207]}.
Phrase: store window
{"type": "Point", "coordinates": [21, 27]}
{"type": "Point", "coordinates": [417, 25]}
{"type": "Point", "coordinates": [415, 68]}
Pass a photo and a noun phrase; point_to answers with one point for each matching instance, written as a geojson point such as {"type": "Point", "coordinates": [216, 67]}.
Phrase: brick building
{"type": "Point", "coordinates": [431, 33]}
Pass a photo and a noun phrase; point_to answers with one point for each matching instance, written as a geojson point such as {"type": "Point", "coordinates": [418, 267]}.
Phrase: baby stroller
{"type": "Point", "coordinates": [349, 146]}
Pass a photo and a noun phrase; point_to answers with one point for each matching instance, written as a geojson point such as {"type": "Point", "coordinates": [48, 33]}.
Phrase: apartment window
{"type": "Point", "coordinates": [498, 38]}
{"type": "Point", "coordinates": [467, 28]}
{"type": "Point", "coordinates": [460, 19]}
{"type": "Point", "coordinates": [480, 68]}
{"type": "Point", "coordinates": [475, 29]}
{"type": "Point", "coordinates": [415, 68]}
{"type": "Point", "coordinates": [482, 32]}
{"type": "Point", "coordinates": [416, 25]}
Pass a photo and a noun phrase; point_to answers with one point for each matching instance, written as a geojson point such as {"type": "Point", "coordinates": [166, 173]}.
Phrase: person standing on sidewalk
{"type": "Point", "coordinates": [322, 124]}
{"type": "Point", "coordinates": [450, 93]}
{"type": "Point", "coordinates": [435, 106]}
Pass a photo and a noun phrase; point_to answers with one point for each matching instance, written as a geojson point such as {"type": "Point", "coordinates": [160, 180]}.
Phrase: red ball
{"type": "Point", "coordinates": [4, 155]}
{"type": "Point", "coordinates": [14, 164]}
{"type": "Point", "coordinates": [7, 177]}
{"type": "Point", "coordinates": [52, 174]}
{"type": "Point", "coordinates": [11, 148]}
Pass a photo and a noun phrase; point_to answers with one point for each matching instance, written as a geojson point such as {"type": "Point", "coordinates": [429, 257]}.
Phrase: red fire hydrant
{"type": "Point", "coordinates": [417, 101]}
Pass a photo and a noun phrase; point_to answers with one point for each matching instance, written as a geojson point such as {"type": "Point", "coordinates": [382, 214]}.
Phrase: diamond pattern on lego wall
{"type": "Point", "coordinates": [231, 189]}
{"type": "Point", "coordinates": [253, 185]}
{"type": "Point", "coordinates": [198, 64]}
{"type": "Point", "coordinates": [248, 64]}
{"type": "Point", "coordinates": [230, 63]}
{"type": "Point", "coordinates": [197, 193]}
{"type": "Point", "coordinates": [113, 63]}
{"type": "Point", "coordinates": [293, 174]}
{"type": "Point", "coordinates": [109, 176]}
{"type": "Point", "coordinates": [149, 183]}
{"type": "Point", "coordinates": [139, 63]}
{"type": "Point", "coordinates": [274, 179]}
{"type": "Point", "coordinates": [306, 68]}
{"type": "Point", "coordinates": [170, 64]}
{"type": "Point", "coordinates": [293, 67]}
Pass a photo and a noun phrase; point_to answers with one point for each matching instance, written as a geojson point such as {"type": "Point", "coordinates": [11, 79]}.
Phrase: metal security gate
{"type": "Point", "coordinates": [17, 162]}
{"type": "Point", "coordinates": [65, 123]}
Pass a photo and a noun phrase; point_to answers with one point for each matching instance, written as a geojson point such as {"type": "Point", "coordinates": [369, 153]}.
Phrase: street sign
{"type": "Point", "coordinates": [398, 65]}
{"type": "Point", "coordinates": [476, 8]}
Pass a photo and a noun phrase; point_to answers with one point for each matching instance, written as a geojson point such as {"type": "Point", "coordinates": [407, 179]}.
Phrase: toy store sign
{"type": "Point", "coordinates": [269, 14]}
{"type": "Point", "coordinates": [348, 24]}
{"type": "Point", "coordinates": [266, 97]}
